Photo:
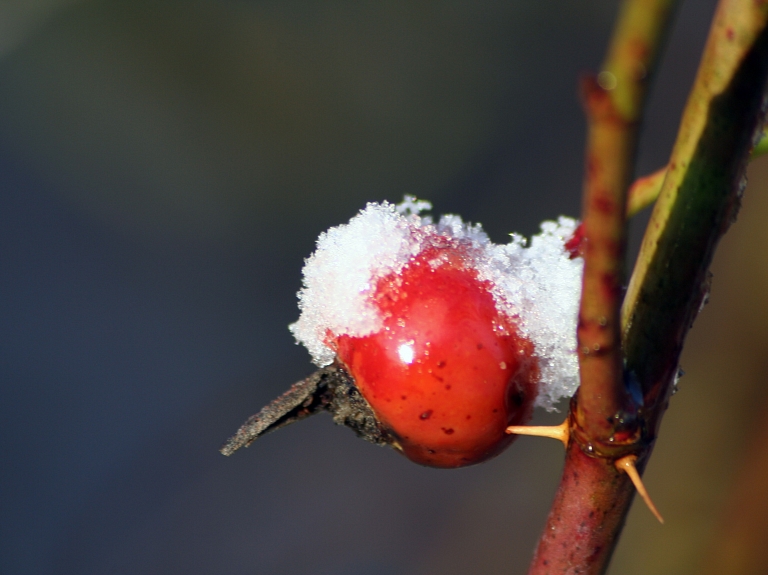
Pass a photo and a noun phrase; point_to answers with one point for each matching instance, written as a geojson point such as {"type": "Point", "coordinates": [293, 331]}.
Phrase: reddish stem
{"type": "Point", "coordinates": [594, 496]}
{"type": "Point", "coordinates": [606, 414]}
{"type": "Point", "coordinates": [698, 201]}
{"type": "Point", "coordinates": [610, 149]}
{"type": "Point", "coordinates": [589, 508]}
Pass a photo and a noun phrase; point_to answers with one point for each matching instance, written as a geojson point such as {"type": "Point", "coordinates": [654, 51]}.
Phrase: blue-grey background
{"type": "Point", "coordinates": [165, 166]}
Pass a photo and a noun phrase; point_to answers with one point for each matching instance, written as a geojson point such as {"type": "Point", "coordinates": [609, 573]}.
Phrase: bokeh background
{"type": "Point", "coordinates": [165, 166]}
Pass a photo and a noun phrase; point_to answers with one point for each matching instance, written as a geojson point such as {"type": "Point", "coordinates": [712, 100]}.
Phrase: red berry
{"type": "Point", "coordinates": [447, 372]}
{"type": "Point", "coordinates": [449, 337]}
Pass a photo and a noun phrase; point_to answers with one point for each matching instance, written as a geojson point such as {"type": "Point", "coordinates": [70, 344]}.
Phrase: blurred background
{"type": "Point", "coordinates": [165, 166]}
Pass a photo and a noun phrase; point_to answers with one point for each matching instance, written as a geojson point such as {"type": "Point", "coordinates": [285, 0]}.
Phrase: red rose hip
{"type": "Point", "coordinates": [449, 337]}
{"type": "Point", "coordinates": [447, 372]}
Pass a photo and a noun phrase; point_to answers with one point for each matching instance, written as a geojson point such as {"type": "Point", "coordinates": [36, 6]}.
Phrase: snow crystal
{"type": "Point", "coordinates": [411, 205]}
{"type": "Point", "coordinates": [340, 275]}
{"type": "Point", "coordinates": [538, 286]}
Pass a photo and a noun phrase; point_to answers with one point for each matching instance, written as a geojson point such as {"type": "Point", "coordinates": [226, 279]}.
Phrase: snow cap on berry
{"type": "Point", "coordinates": [537, 286]}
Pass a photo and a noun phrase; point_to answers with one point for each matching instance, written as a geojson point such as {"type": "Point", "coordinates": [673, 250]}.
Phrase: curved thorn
{"type": "Point", "coordinates": [627, 465]}
{"type": "Point", "coordinates": [559, 432]}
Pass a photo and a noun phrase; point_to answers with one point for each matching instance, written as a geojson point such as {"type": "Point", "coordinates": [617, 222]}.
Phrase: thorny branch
{"type": "Point", "coordinates": [605, 425]}
{"type": "Point", "coordinates": [698, 201]}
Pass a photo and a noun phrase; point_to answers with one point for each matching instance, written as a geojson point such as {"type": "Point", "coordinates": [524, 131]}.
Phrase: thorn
{"type": "Point", "coordinates": [627, 465]}
{"type": "Point", "coordinates": [559, 432]}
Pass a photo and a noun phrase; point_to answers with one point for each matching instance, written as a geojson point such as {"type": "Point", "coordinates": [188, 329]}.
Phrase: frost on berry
{"type": "Point", "coordinates": [534, 285]}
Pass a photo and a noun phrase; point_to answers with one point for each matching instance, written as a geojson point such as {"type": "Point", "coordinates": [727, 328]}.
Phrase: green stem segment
{"type": "Point", "coordinates": [645, 190]}
{"type": "Point", "coordinates": [699, 198]}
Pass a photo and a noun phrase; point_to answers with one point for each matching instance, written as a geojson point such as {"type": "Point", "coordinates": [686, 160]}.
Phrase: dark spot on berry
{"type": "Point", "coordinates": [432, 451]}
{"type": "Point", "coordinates": [441, 363]}
{"type": "Point", "coordinates": [447, 387]}
{"type": "Point", "coordinates": [469, 417]}
{"type": "Point", "coordinates": [517, 399]}
{"type": "Point", "coordinates": [447, 431]}
{"type": "Point", "coordinates": [479, 346]}
{"type": "Point", "coordinates": [495, 411]}
{"type": "Point", "coordinates": [403, 397]}
{"type": "Point", "coordinates": [437, 377]}
{"type": "Point", "coordinates": [426, 415]}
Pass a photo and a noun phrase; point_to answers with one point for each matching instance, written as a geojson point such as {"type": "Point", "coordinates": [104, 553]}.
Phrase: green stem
{"type": "Point", "coordinates": [698, 200]}
{"type": "Point", "coordinates": [645, 190]}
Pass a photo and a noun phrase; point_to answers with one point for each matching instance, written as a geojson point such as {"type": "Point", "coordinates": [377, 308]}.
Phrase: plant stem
{"type": "Point", "coordinates": [644, 191]}
{"type": "Point", "coordinates": [593, 495]}
{"type": "Point", "coordinates": [698, 201]}
{"type": "Point", "coordinates": [587, 513]}
{"type": "Point", "coordinates": [699, 198]}
{"type": "Point", "coordinates": [613, 103]}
